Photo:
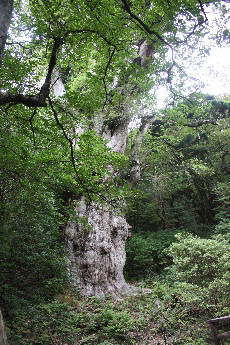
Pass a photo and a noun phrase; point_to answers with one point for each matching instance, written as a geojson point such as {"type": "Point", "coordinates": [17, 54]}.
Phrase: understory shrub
{"type": "Point", "coordinates": [85, 321]}
{"type": "Point", "coordinates": [202, 266]}
{"type": "Point", "coordinates": [146, 253]}
{"type": "Point", "coordinates": [32, 253]}
{"type": "Point", "coordinates": [222, 210]}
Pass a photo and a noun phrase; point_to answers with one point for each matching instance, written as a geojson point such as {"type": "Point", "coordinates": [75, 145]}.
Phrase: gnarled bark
{"type": "Point", "coordinates": [97, 251]}
{"type": "Point", "coordinates": [97, 241]}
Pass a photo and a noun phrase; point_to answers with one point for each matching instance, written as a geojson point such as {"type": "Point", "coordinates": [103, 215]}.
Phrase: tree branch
{"type": "Point", "coordinates": [38, 100]}
{"type": "Point", "coordinates": [142, 24]}
{"type": "Point", "coordinates": [104, 77]}
{"type": "Point", "coordinates": [155, 33]}
{"type": "Point", "coordinates": [201, 123]}
{"type": "Point", "coordinates": [192, 32]}
{"type": "Point", "coordinates": [72, 158]}
{"type": "Point", "coordinates": [92, 32]}
{"type": "Point", "coordinates": [158, 123]}
{"type": "Point", "coordinates": [65, 134]}
{"type": "Point", "coordinates": [202, 10]}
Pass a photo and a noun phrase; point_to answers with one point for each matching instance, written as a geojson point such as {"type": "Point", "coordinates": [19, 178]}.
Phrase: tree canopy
{"type": "Point", "coordinates": [73, 76]}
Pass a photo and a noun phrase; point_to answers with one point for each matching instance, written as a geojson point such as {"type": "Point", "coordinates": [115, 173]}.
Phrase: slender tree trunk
{"type": "Point", "coordinates": [3, 339]}
{"type": "Point", "coordinates": [6, 9]}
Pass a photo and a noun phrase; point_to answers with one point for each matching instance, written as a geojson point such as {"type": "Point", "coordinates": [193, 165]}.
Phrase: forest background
{"type": "Point", "coordinates": [79, 126]}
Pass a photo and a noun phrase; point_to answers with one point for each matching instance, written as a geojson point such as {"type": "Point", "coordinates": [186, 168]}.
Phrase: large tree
{"type": "Point", "coordinates": [83, 66]}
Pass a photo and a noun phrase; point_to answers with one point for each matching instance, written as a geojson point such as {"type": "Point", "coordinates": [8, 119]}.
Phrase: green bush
{"type": "Point", "coordinates": [145, 253]}
{"type": "Point", "coordinates": [45, 323]}
{"type": "Point", "coordinates": [113, 323]}
{"type": "Point", "coordinates": [32, 255]}
{"type": "Point", "coordinates": [202, 265]}
{"type": "Point", "coordinates": [222, 210]}
{"type": "Point", "coordinates": [87, 321]}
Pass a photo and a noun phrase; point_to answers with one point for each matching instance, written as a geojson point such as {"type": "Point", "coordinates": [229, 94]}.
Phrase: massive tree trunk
{"type": "Point", "coordinates": [96, 241]}
{"type": "Point", "coordinates": [97, 248]}
{"type": "Point", "coordinates": [97, 251]}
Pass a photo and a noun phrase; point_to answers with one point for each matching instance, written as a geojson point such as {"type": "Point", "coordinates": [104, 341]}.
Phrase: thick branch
{"type": "Point", "coordinates": [45, 89]}
{"type": "Point", "coordinates": [38, 100]}
{"type": "Point", "coordinates": [29, 100]}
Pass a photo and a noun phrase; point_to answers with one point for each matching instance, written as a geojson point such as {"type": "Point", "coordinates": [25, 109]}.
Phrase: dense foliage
{"type": "Point", "coordinates": [185, 169]}
{"type": "Point", "coordinates": [68, 70]}
{"type": "Point", "coordinates": [185, 184]}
